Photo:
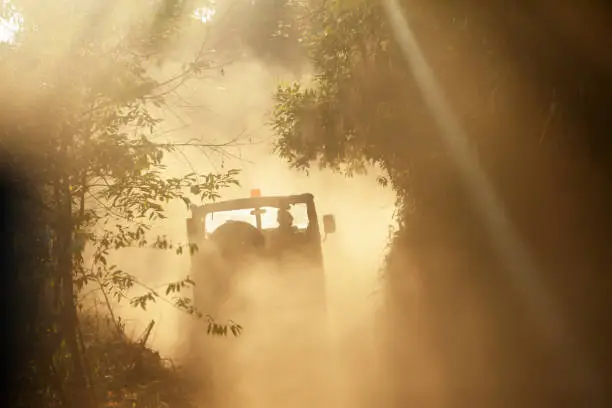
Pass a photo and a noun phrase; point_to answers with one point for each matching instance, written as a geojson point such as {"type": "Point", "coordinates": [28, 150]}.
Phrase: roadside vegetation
{"type": "Point", "coordinates": [79, 133]}
{"type": "Point", "coordinates": [81, 144]}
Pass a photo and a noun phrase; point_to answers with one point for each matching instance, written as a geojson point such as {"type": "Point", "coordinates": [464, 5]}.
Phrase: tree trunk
{"type": "Point", "coordinates": [80, 394]}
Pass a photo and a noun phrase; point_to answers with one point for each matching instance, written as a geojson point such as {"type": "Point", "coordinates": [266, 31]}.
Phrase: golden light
{"type": "Point", "coordinates": [9, 28]}
{"type": "Point", "coordinates": [255, 192]}
{"type": "Point", "coordinates": [504, 235]}
{"type": "Point", "coordinates": [204, 14]}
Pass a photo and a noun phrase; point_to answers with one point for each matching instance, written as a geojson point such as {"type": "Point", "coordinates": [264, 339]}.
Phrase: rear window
{"type": "Point", "coordinates": [268, 217]}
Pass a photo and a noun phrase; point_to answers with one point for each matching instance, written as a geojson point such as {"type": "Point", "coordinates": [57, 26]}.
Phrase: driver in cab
{"type": "Point", "coordinates": [286, 233]}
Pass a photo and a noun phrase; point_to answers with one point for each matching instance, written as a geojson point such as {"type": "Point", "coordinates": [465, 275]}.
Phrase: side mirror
{"type": "Point", "coordinates": [329, 224]}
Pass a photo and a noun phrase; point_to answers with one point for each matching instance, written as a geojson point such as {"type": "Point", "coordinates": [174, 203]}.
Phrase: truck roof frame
{"type": "Point", "coordinates": [251, 202]}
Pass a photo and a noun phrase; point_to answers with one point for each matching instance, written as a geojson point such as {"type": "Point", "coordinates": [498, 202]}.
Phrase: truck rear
{"type": "Point", "coordinates": [279, 233]}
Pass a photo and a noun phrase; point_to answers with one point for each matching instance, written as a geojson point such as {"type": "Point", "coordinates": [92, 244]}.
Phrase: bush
{"type": "Point", "coordinates": [126, 373]}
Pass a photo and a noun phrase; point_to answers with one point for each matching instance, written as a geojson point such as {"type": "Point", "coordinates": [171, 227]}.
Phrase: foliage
{"type": "Point", "coordinates": [269, 30]}
{"type": "Point", "coordinates": [347, 118]}
{"type": "Point", "coordinates": [90, 129]}
{"type": "Point", "coordinates": [362, 107]}
{"type": "Point", "coordinates": [127, 372]}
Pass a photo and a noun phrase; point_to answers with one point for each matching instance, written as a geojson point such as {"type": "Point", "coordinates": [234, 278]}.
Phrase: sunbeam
{"type": "Point", "coordinates": [506, 240]}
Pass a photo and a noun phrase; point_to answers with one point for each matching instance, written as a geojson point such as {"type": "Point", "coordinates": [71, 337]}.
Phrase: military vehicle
{"type": "Point", "coordinates": [281, 232]}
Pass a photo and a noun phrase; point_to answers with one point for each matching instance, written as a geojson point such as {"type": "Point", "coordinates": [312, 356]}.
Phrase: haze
{"type": "Point", "coordinates": [401, 309]}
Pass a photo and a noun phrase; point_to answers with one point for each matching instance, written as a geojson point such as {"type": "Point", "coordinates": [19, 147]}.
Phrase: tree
{"type": "Point", "coordinates": [81, 130]}
{"type": "Point", "coordinates": [363, 107]}
{"type": "Point", "coordinates": [264, 29]}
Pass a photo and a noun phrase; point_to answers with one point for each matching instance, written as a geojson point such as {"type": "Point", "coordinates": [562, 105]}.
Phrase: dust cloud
{"type": "Point", "coordinates": [266, 366]}
{"type": "Point", "coordinates": [223, 106]}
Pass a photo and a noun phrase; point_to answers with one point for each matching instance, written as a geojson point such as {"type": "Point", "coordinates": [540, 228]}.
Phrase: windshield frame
{"type": "Point", "coordinates": [262, 218]}
{"type": "Point", "coordinates": [199, 212]}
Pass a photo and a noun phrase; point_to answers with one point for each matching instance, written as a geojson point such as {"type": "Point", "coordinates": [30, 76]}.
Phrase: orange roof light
{"type": "Point", "coordinates": [255, 192]}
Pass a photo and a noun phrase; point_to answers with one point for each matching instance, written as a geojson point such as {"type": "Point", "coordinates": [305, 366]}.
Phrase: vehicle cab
{"type": "Point", "coordinates": [285, 223]}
